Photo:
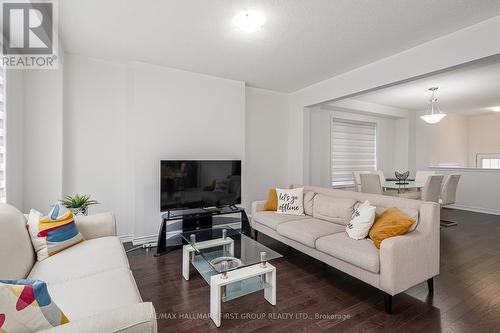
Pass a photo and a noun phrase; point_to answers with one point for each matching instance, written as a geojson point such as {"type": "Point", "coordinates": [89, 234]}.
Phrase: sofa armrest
{"type": "Point", "coordinates": [136, 318]}
{"type": "Point", "coordinates": [96, 225]}
{"type": "Point", "coordinates": [257, 206]}
{"type": "Point", "coordinates": [408, 260]}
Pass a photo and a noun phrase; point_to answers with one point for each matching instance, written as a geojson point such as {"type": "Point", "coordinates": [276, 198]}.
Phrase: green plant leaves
{"type": "Point", "coordinates": [78, 201]}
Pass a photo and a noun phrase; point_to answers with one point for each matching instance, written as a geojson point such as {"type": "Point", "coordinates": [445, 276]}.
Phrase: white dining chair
{"type": "Point", "coordinates": [380, 174]}
{"type": "Point", "coordinates": [430, 192]}
{"type": "Point", "coordinates": [370, 183]}
{"type": "Point", "coordinates": [448, 195]}
{"type": "Point", "coordinates": [421, 176]}
{"type": "Point", "coordinates": [357, 179]}
{"type": "Point", "coordinates": [432, 188]}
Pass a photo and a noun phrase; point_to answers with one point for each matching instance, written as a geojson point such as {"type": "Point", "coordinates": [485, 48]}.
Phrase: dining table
{"type": "Point", "coordinates": [403, 186]}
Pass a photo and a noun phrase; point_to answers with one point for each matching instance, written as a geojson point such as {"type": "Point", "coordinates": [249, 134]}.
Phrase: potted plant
{"type": "Point", "coordinates": [78, 204]}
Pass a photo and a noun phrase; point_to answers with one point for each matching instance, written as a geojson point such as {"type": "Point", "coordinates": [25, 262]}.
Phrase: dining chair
{"type": "Point", "coordinates": [430, 192]}
{"type": "Point", "coordinates": [421, 176]}
{"type": "Point", "coordinates": [448, 195]}
{"type": "Point", "coordinates": [432, 188]}
{"type": "Point", "coordinates": [380, 173]}
{"type": "Point", "coordinates": [370, 183]}
{"type": "Point", "coordinates": [357, 179]}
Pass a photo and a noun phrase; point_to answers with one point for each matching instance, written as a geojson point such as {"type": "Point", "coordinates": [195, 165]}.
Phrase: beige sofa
{"type": "Point", "coordinates": [401, 263]}
{"type": "Point", "coordinates": [91, 281]}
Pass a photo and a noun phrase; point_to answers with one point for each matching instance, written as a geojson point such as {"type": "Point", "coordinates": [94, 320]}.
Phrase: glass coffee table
{"type": "Point", "coordinates": [233, 265]}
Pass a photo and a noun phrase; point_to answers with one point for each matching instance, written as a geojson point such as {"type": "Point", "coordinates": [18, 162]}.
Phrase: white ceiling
{"type": "Point", "coordinates": [302, 41]}
{"type": "Point", "coordinates": [469, 90]}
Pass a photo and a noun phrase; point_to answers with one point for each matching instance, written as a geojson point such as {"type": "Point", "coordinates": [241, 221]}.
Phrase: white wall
{"type": "Point", "coordinates": [443, 143]}
{"type": "Point", "coordinates": [122, 119]}
{"type": "Point", "coordinates": [14, 138]}
{"type": "Point", "coordinates": [319, 143]}
{"type": "Point", "coordinates": [401, 147]}
{"type": "Point", "coordinates": [175, 114]}
{"type": "Point", "coordinates": [448, 142]}
{"type": "Point", "coordinates": [477, 189]}
{"type": "Point", "coordinates": [484, 136]}
{"type": "Point", "coordinates": [412, 145]}
{"type": "Point", "coordinates": [95, 135]}
{"type": "Point", "coordinates": [265, 145]}
{"type": "Point", "coordinates": [457, 139]}
{"type": "Point", "coordinates": [42, 138]}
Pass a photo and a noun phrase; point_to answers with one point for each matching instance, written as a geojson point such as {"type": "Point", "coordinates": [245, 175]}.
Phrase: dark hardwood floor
{"type": "Point", "coordinates": [466, 293]}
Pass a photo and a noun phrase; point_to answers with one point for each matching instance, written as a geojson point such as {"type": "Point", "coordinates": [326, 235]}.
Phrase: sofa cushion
{"type": "Point", "coordinates": [273, 219]}
{"type": "Point", "coordinates": [307, 231]}
{"type": "Point", "coordinates": [309, 202]}
{"type": "Point", "coordinates": [86, 258]}
{"type": "Point", "coordinates": [333, 209]}
{"type": "Point", "coordinates": [361, 253]}
{"type": "Point", "coordinates": [95, 293]}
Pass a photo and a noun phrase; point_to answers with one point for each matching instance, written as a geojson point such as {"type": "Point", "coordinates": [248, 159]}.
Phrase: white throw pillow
{"type": "Point", "coordinates": [361, 221]}
{"type": "Point", "coordinates": [290, 201]}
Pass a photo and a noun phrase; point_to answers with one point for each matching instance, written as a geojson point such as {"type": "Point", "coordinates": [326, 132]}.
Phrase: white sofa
{"type": "Point", "coordinates": [91, 282]}
{"type": "Point", "coordinates": [401, 263]}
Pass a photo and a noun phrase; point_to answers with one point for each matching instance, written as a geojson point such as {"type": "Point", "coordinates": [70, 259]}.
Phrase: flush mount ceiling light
{"type": "Point", "coordinates": [250, 21]}
{"type": "Point", "coordinates": [434, 115]}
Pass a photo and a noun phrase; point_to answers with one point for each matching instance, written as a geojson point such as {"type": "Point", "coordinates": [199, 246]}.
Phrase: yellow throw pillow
{"type": "Point", "coordinates": [390, 223]}
{"type": "Point", "coordinates": [272, 201]}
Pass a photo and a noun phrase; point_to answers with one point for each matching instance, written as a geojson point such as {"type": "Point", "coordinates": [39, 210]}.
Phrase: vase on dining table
{"type": "Point", "coordinates": [402, 177]}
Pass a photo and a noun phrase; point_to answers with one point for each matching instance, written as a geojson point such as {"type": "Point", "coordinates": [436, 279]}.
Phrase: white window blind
{"type": "Point", "coordinates": [2, 135]}
{"type": "Point", "coordinates": [353, 148]}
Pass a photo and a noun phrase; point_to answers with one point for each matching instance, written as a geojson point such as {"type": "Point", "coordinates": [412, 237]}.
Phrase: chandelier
{"type": "Point", "coordinates": [434, 115]}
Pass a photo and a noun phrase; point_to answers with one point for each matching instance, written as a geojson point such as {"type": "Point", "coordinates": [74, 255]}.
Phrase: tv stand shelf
{"type": "Point", "coordinates": [195, 219]}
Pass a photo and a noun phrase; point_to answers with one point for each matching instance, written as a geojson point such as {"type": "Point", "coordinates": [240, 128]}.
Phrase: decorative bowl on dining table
{"type": "Point", "coordinates": [402, 177]}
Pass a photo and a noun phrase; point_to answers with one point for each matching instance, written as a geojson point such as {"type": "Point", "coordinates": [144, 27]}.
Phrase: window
{"type": "Point", "coordinates": [353, 148]}
{"type": "Point", "coordinates": [488, 161]}
{"type": "Point", "coordinates": [2, 135]}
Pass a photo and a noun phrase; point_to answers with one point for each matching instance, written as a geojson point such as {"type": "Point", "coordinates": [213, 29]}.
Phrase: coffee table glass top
{"type": "Point", "coordinates": [226, 249]}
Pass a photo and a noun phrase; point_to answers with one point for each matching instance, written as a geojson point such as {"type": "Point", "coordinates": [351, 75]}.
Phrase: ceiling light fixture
{"type": "Point", "coordinates": [495, 108]}
{"type": "Point", "coordinates": [434, 115]}
{"type": "Point", "coordinates": [249, 21]}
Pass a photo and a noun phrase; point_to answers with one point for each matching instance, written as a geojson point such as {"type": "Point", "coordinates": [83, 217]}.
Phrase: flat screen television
{"type": "Point", "coordinates": [199, 183]}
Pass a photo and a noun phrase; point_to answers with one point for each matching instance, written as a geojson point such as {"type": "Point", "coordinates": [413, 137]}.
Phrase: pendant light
{"type": "Point", "coordinates": [434, 115]}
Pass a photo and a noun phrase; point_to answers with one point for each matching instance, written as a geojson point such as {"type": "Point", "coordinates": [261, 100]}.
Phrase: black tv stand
{"type": "Point", "coordinates": [194, 219]}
